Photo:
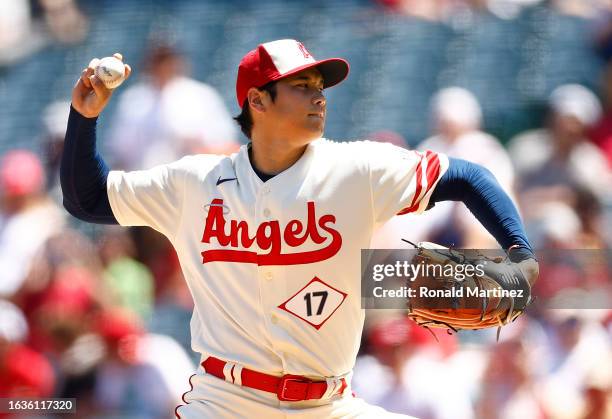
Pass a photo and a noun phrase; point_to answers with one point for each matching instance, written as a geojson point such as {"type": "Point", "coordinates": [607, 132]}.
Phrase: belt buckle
{"type": "Point", "coordinates": [282, 387]}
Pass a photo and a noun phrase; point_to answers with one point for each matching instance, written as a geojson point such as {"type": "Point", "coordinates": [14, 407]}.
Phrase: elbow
{"type": "Point", "coordinates": [483, 172]}
{"type": "Point", "coordinates": [73, 208]}
{"type": "Point", "coordinates": [93, 215]}
{"type": "Point", "coordinates": [69, 200]}
{"type": "Point", "coordinates": [479, 177]}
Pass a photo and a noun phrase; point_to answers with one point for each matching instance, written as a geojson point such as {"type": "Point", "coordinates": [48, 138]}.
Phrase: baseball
{"type": "Point", "coordinates": [111, 71]}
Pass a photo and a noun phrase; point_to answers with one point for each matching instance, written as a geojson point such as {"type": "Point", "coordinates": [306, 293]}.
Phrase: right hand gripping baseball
{"type": "Point", "coordinates": [89, 95]}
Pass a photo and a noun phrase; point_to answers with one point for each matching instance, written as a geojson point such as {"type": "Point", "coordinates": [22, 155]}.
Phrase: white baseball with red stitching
{"type": "Point", "coordinates": [111, 72]}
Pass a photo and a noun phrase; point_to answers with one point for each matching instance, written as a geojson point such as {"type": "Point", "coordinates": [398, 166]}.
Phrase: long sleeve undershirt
{"type": "Point", "coordinates": [480, 192]}
{"type": "Point", "coordinates": [83, 173]}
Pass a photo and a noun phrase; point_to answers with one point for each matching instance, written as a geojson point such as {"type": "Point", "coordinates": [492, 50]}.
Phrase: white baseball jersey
{"type": "Point", "coordinates": [274, 267]}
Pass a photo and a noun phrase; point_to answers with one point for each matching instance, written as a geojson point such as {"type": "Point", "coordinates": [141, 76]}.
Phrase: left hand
{"type": "Point", "coordinates": [531, 269]}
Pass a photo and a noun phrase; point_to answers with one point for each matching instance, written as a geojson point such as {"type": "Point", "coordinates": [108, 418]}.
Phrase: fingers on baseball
{"type": "Point", "coordinates": [128, 71]}
{"type": "Point", "coordinates": [98, 87]}
{"type": "Point", "coordinates": [93, 63]}
{"type": "Point", "coordinates": [85, 74]}
{"type": "Point", "coordinates": [118, 56]}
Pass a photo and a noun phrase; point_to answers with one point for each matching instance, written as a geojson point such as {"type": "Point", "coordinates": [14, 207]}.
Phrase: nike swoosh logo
{"type": "Point", "coordinates": [220, 181]}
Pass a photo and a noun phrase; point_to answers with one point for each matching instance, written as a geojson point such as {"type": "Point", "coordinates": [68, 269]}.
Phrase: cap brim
{"type": "Point", "coordinates": [333, 70]}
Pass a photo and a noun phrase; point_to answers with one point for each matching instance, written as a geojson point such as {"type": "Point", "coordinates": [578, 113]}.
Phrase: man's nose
{"type": "Point", "coordinates": [319, 99]}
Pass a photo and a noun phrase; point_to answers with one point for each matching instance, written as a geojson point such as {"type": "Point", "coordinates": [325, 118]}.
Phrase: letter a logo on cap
{"type": "Point", "coordinates": [304, 50]}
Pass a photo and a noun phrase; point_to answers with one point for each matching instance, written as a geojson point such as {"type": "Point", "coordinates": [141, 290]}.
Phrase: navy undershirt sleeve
{"type": "Point", "coordinates": [83, 173]}
{"type": "Point", "coordinates": [478, 189]}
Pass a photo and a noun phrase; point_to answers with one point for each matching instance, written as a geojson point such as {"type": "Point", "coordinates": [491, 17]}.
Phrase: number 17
{"type": "Point", "coordinates": [307, 298]}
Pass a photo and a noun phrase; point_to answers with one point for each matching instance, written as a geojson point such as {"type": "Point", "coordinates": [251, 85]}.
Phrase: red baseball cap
{"type": "Point", "coordinates": [21, 173]}
{"type": "Point", "coordinates": [279, 59]}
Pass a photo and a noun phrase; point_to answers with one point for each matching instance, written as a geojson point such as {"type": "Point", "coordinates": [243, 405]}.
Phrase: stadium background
{"type": "Point", "coordinates": [95, 306]}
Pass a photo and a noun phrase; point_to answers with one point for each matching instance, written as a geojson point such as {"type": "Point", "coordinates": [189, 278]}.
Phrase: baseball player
{"type": "Point", "coordinates": [269, 238]}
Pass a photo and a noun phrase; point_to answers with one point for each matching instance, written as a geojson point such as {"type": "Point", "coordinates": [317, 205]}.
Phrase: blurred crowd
{"type": "Point", "coordinates": [441, 10]}
{"type": "Point", "coordinates": [102, 313]}
{"type": "Point", "coordinates": [103, 317]}
{"type": "Point", "coordinates": [555, 362]}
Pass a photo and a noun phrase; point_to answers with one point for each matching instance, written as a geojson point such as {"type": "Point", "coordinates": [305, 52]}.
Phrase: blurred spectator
{"type": "Point", "coordinates": [61, 322]}
{"type": "Point", "coordinates": [55, 120]}
{"type": "Point", "coordinates": [23, 372]}
{"type": "Point", "coordinates": [602, 34]}
{"type": "Point", "coordinates": [557, 158]}
{"type": "Point", "coordinates": [15, 22]}
{"type": "Point", "coordinates": [173, 302]}
{"type": "Point", "coordinates": [66, 249]}
{"type": "Point", "coordinates": [27, 217]}
{"type": "Point", "coordinates": [445, 10]}
{"type": "Point", "coordinates": [130, 282]}
{"type": "Point", "coordinates": [60, 313]}
{"type": "Point", "coordinates": [169, 115]}
{"type": "Point", "coordinates": [586, 9]}
{"type": "Point", "coordinates": [157, 253]}
{"type": "Point", "coordinates": [602, 132]}
{"type": "Point", "coordinates": [64, 20]}
{"type": "Point", "coordinates": [18, 36]}
{"type": "Point", "coordinates": [510, 9]}
{"type": "Point", "coordinates": [590, 212]}
{"type": "Point", "coordinates": [133, 359]}
{"type": "Point", "coordinates": [433, 10]}
{"type": "Point", "coordinates": [545, 224]}
{"type": "Point", "coordinates": [578, 346]}
{"type": "Point", "coordinates": [576, 222]}
{"type": "Point", "coordinates": [597, 392]}
{"type": "Point", "coordinates": [409, 372]}
{"type": "Point", "coordinates": [508, 389]}
{"type": "Point", "coordinates": [457, 118]}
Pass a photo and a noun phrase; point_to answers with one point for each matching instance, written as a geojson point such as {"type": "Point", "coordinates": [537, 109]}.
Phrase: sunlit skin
{"type": "Point", "coordinates": [283, 128]}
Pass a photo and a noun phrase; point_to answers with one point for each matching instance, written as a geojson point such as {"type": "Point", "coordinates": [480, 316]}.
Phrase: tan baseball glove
{"type": "Point", "coordinates": [465, 289]}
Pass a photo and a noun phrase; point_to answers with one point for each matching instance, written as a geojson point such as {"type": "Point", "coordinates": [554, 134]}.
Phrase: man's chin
{"type": "Point", "coordinates": [317, 131]}
{"type": "Point", "coordinates": [308, 134]}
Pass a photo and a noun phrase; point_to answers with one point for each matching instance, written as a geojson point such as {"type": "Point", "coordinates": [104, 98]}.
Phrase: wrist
{"type": "Point", "coordinates": [518, 253]}
{"type": "Point", "coordinates": [82, 115]}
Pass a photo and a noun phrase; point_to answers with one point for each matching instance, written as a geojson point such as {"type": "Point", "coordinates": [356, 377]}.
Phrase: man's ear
{"type": "Point", "coordinates": [256, 99]}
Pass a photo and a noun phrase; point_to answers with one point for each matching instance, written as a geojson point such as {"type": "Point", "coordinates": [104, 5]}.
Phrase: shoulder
{"type": "Point", "coordinates": [199, 165]}
{"type": "Point", "coordinates": [201, 162]}
{"type": "Point", "coordinates": [363, 157]}
{"type": "Point", "coordinates": [356, 154]}
{"type": "Point", "coordinates": [357, 148]}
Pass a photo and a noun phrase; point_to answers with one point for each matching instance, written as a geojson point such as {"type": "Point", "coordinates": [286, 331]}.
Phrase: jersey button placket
{"type": "Point", "coordinates": [266, 273]}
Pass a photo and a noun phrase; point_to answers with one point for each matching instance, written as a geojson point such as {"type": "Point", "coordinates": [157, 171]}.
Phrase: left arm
{"type": "Point", "coordinates": [478, 189]}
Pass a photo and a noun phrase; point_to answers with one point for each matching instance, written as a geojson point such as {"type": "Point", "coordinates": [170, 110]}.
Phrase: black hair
{"type": "Point", "coordinates": [245, 120]}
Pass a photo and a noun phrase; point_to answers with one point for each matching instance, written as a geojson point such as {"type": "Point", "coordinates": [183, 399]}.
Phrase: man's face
{"type": "Point", "coordinates": [298, 112]}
